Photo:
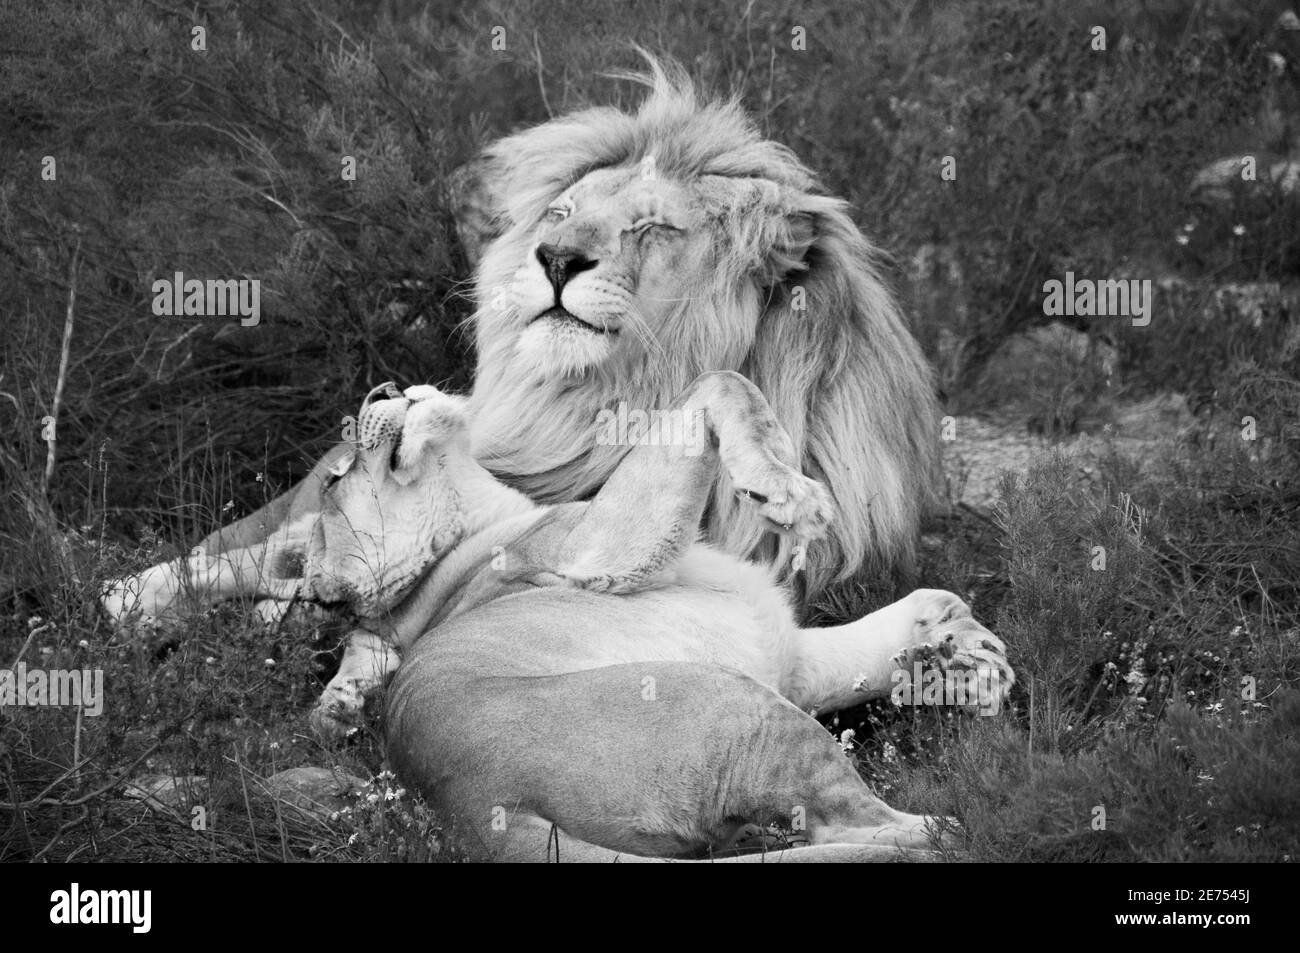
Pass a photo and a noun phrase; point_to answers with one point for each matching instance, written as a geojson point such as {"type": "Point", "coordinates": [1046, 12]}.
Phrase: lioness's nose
{"type": "Point", "coordinates": [562, 263]}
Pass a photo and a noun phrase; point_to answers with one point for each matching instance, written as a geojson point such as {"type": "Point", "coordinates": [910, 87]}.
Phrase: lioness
{"type": "Point", "coordinates": [591, 665]}
{"type": "Point", "coordinates": [630, 253]}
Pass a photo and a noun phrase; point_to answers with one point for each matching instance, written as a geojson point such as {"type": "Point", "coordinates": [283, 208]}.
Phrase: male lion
{"type": "Point", "coordinates": [590, 667]}
{"type": "Point", "coordinates": [637, 251]}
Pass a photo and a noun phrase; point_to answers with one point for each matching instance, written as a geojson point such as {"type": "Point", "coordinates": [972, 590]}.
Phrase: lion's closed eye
{"type": "Point", "coordinates": [646, 225]}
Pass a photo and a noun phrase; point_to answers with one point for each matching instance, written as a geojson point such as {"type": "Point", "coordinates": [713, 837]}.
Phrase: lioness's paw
{"type": "Point", "coordinates": [948, 638]}
{"type": "Point", "coordinates": [142, 601]}
{"type": "Point", "coordinates": [334, 725]}
{"type": "Point", "coordinates": [340, 712]}
{"type": "Point", "coordinates": [790, 501]}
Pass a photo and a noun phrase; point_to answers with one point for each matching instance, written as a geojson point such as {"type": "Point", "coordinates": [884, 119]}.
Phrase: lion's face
{"type": "Point", "coordinates": [608, 262]}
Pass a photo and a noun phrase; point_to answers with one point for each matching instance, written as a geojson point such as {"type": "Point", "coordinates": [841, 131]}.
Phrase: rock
{"type": "Point", "coordinates": [165, 792]}
{"type": "Point", "coordinates": [1155, 418]}
{"type": "Point", "coordinates": [318, 791]}
{"type": "Point", "coordinates": [1221, 182]}
{"type": "Point", "coordinates": [1054, 376]}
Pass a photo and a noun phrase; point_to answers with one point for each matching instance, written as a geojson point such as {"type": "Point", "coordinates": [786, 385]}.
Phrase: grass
{"type": "Point", "coordinates": [1155, 714]}
{"type": "Point", "coordinates": [1130, 693]}
{"type": "Point", "coordinates": [1130, 736]}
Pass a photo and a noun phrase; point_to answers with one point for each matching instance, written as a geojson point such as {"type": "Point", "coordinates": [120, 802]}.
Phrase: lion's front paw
{"type": "Point", "coordinates": [790, 501]}
{"type": "Point", "coordinates": [971, 662]}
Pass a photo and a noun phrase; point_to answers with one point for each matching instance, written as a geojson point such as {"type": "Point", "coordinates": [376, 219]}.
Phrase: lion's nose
{"type": "Point", "coordinates": [562, 263]}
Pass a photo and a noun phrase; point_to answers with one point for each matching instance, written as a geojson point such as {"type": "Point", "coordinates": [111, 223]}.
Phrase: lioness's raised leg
{"type": "Point", "coordinates": [649, 511]}
{"type": "Point", "coordinates": [659, 759]}
{"type": "Point", "coordinates": [844, 665]}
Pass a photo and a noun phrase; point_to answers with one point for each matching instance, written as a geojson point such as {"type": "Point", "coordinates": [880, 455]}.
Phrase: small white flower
{"type": "Point", "coordinates": [84, 643]}
{"type": "Point", "coordinates": [1181, 239]}
{"type": "Point", "coordinates": [1239, 230]}
{"type": "Point", "coordinates": [269, 663]}
{"type": "Point", "coordinates": [230, 505]}
{"type": "Point", "coordinates": [274, 746]}
{"type": "Point", "coordinates": [210, 660]}
{"type": "Point", "coordinates": [846, 738]}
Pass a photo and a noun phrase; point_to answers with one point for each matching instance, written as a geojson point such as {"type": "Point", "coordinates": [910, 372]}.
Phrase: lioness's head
{"type": "Point", "coordinates": [391, 506]}
{"type": "Point", "coordinates": [635, 251]}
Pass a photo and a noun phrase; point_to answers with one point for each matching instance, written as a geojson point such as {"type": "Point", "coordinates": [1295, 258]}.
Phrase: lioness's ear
{"type": "Point", "coordinates": [343, 464]}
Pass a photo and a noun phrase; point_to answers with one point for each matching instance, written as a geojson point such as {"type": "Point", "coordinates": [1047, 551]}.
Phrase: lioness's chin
{"type": "Point", "coordinates": [552, 346]}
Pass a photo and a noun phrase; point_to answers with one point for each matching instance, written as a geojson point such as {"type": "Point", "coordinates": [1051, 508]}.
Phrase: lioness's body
{"type": "Point", "coordinates": [589, 667]}
{"type": "Point", "coordinates": [652, 703]}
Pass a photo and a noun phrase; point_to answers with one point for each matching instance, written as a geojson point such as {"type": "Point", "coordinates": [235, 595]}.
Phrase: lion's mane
{"type": "Point", "coordinates": [798, 305]}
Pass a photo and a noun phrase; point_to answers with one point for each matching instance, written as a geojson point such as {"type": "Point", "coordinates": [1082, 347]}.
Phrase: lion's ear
{"type": "Point", "coordinates": [790, 237]}
{"type": "Point", "coordinates": [476, 205]}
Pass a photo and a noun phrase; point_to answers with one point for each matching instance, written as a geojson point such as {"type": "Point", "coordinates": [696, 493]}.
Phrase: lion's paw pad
{"type": "Point", "coordinates": [790, 501]}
